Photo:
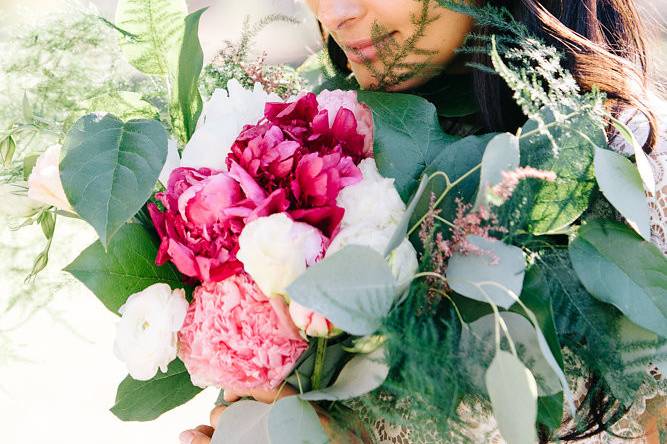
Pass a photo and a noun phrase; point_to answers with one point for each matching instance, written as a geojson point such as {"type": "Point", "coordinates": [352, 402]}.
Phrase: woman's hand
{"type": "Point", "coordinates": [203, 433]}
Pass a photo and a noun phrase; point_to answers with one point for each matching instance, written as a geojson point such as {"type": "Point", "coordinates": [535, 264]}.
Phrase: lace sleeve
{"type": "Point", "coordinates": [639, 125]}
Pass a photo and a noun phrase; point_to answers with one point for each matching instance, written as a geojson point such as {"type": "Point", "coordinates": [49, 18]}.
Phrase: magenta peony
{"type": "Point", "coordinates": [234, 338]}
{"type": "Point", "coordinates": [204, 213]}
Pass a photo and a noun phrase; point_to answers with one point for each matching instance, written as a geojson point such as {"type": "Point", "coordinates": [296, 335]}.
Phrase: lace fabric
{"type": "Point", "coordinates": [480, 425]}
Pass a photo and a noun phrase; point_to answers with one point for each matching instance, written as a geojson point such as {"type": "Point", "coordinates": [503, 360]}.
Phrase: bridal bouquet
{"type": "Point", "coordinates": [341, 242]}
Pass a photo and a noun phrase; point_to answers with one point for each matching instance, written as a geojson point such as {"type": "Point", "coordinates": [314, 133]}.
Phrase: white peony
{"type": "Point", "coordinates": [373, 210]}
{"type": "Point", "coordinates": [221, 122]}
{"type": "Point", "coordinates": [275, 251]}
{"type": "Point", "coordinates": [15, 203]}
{"type": "Point", "coordinates": [373, 201]}
{"type": "Point", "coordinates": [146, 335]}
{"type": "Point", "coordinates": [44, 184]}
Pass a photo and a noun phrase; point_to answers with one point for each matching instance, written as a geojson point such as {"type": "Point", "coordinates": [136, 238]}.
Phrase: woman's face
{"type": "Point", "coordinates": [393, 44]}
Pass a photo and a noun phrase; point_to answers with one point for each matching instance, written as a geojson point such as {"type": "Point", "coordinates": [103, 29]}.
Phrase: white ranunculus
{"type": "Point", "coordinates": [403, 260]}
{"type": "Point", "coordinates": [146, 335]}
{"type": "Point", "coordinates": [15, 203]}
{"type": "Point", "coordinates": [275, 251]}
{"type": "Point", "coordinates": [44, 184]}
{"type": "Point", "coordinates": [221, 122]}
{"type": "Point", "coordinates": [373, 201]}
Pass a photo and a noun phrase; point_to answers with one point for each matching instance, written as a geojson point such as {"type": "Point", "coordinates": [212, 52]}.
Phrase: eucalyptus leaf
{"type": "Point", "coordinates": [147, 400]}
{"type": "Point", "coordinates": [643, 164]}
{"type": "Point", "coordinates": [478, 338]}
{"type": "Point", "coordinates": [620, 268]}
{"type": "Point", "coordinates": [126, 267]}
{"type": "Point", "coordinates": [494, 274]}
{"type": "Point", "coordinates": [403, 226]}
{"type": "Point", "coordinates": [154, 32]}
{"type": "Point", "coordinates": [244, 422]}
{"type": "Point", "coordinates": [501, 154]}
{"type": "Point", "coordinates": [294, 421]}
{"type": "Point", "coordinates": [190, 64]}
{"type": "Point", "coordinates": [620, 182]}
{"type": "Point", "coordinates": [363, 374]}
{"type": "Point", "coordinates": [111, 168]}
{"type": "Point", "coordinates": [513, 393]}
{"type": "Point", "coordinates": [354, 289]}
{"type": "Point", "coordinates": [408, 137]}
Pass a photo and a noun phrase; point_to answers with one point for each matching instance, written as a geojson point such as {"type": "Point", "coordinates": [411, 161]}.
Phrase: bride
{"type": "Point", "coordinates": [606, 46]}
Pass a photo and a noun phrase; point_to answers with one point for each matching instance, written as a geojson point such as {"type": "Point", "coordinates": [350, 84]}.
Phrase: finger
{"type": "Point", "coordinates": [215, 415]}
{"type": "Point", "coordinates": [269, 396]}
{"type": "Point", "coordinates": [230, 396]}
{"type": "Point", "coordinates": [206, 430]}
{"type": "Point", "coordinates": [194, 437]}
{"type": "Point", "coordinates": [200, 438]}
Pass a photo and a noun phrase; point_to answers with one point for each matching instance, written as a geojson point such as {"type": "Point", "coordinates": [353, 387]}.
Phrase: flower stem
{"type": "Point", "coordinates": [319, 363]}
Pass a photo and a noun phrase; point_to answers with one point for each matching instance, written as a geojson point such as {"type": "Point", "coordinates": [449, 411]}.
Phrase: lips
{"type": "Point", "coordinates": [361, 51]}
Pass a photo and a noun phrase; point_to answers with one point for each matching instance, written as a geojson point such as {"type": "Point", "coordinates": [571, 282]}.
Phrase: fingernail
{"type": "Point", "coordinates": [186, 437]}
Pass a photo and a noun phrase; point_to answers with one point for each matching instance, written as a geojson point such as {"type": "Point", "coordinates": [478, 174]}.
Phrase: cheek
{"type": "Point", "coordinates": [447, 34]}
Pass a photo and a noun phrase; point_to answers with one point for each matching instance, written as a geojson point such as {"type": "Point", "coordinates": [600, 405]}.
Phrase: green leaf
{"type": "Point", "coordinates": [363, 374]}
{"type": "Point", "coordinates": [154, 31]}
{"type": "Point", "coordinates": [620, 268]}
{"type": "Point", "coordinates": [546, 207]}
{"type": "Point", "coordinates": [494, 275]}
{"type": "Point", "coordinates": [244, 422]}
{"type": "Point", "coordinates": [147, 400]}
{"type": "Point", "coordinates": [7, 150]}
{"type": "Point", "coordinates": [126, 267]}
{"type": "Point", "coordinates": [408, 137]}
{"type": "Point", "coordinates": [513, 394]}
{"type": "Point", "coordinates": [190, 64]}
{"type": "Point", "coordinates": [404, 225]}
{"type": "Point", "coordinates": [125, 105]}
{"type": "Point", "coordinates": [459, 159]}
{"type": "Point", "coordinates": [501, 154]}
{"type": "Point", "coordinates": [621, 184]}
{"type": "Point", "coordinates": [479, 341]}
{"type": "Point", "coordinates": [643, 164]}
{"type": "Point", "coordinates": [294, 421]}
{"type": "Point", "coordinates": [354, 289]}
{"type": "Point", "coordinates": [111, 168]}
{"type": "Point", "coordinates": [29, 163]}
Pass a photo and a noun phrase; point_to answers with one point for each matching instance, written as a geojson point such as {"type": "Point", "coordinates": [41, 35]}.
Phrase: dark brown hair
{"type": "Point", "coordinates": [605, 45]}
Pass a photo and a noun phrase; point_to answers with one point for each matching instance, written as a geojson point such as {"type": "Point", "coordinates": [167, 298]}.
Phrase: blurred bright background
{"type": "Point", "coordinates": [58, 375]}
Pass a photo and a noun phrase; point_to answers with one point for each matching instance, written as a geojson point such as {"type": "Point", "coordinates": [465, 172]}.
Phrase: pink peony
{"type": "Point", "coordinates": [204, 213]}
{"type": "Point", "coordinates": [319, 179]}
{"type": "Point", "coordinates": [334, 101]}
{"type": "Point", "coordinates": [234, 338]}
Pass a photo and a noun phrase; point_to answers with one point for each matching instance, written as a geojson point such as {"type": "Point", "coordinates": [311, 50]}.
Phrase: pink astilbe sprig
{"type": "Point", "coordinates": [511, 179]}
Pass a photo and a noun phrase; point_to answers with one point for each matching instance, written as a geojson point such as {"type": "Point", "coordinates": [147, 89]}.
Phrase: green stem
{"type": "Point", "coordinates": [321, 350]}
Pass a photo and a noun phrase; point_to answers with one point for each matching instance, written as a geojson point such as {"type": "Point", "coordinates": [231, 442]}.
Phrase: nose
{"type": "Point", "coordinates": [336, 14]}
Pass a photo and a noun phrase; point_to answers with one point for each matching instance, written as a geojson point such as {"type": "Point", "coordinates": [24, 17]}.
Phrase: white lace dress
{"type": "Point", "coordinates": [653, 401]}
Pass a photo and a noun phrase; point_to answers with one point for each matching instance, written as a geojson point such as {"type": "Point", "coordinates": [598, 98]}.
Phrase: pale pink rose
{"type": "Point", "coordinates": [44, 184]}
{"type": "Point", "coordinates": [233, 337]}
{"type": "Point", "coordinates": [333, 101]}
{"type": "Point", "coordinates": [311, 323]}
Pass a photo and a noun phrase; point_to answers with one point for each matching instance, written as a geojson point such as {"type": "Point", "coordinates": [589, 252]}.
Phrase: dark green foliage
{"type": "Point", "coordinates": [147, 400]}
